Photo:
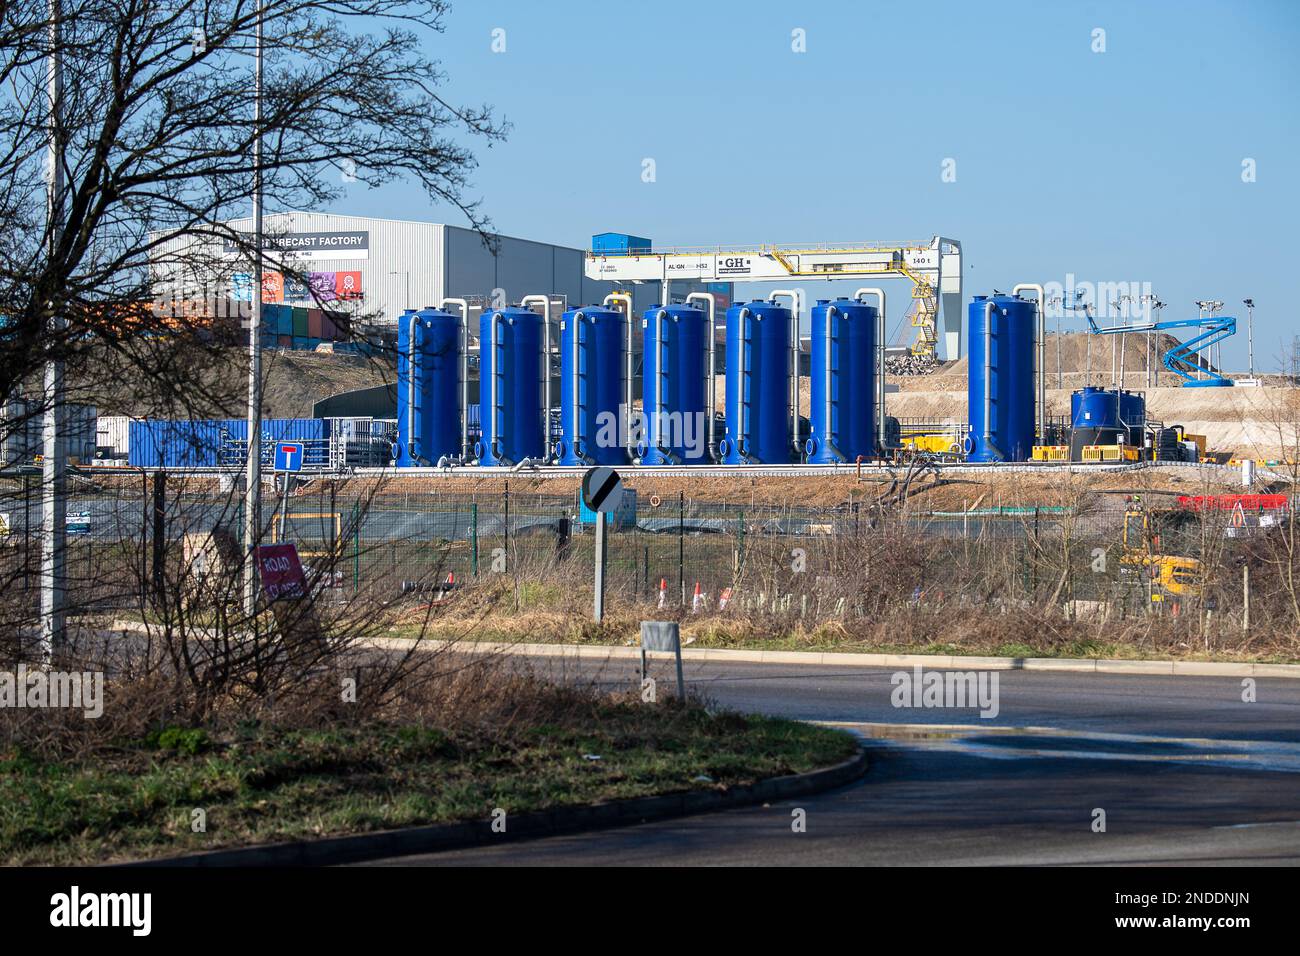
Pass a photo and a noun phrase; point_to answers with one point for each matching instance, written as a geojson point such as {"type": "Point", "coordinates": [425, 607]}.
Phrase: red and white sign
{"type": "Point", "coordinates": [347, 285]}
{"type": "Point", "coordinates": [281, 572]}
{"type": "Point", "coordinates": [272, 286]}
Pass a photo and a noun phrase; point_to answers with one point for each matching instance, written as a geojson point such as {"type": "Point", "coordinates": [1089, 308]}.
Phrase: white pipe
{"type": "Point", "coordinates": [1040, 353]}
{"type": "Point", "coordinates": [627, 358]}
{"type": "Point", "coordinates": [493, 444]}
{"type": "Point", "coordinates": [660, 374]}
{"type": "Point", "coordinates": [464, 373]}
{"type": "Point", "coordinates": [830, 444]}
{"type": "Point", "coordinates": [411, 368]}
{"type": "Point", "coordinates": [792, 390]}
{"type": "Point", "coordinates": [988, 378]}
{"type": "Point", "coordinates": [711, 348]}
{"type": "Point", "coordinates": [545, 301]}
{"type": "Point", "coordinates": [881, 431]}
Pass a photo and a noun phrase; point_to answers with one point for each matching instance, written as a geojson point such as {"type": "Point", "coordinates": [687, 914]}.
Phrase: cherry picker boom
{"type": "Point", "coordinates": [1214, 329]}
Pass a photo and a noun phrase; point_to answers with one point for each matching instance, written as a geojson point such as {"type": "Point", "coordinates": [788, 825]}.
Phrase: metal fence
{"type": "Point", "coordinates": [410, 535]}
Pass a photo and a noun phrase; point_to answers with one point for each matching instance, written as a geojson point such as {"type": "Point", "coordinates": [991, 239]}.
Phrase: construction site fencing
{"type": "Point", "coordinates": [408, 539]}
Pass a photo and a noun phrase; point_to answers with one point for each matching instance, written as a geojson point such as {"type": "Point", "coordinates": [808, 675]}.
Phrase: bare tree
{"type": "Point", "coordinates": [153, 136]}
{"type": "Point", "coordinates": [156, 143]}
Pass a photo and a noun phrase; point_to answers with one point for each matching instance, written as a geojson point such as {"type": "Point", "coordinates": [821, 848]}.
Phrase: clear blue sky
{"type": "Point", "coordinates": [1117, 166]}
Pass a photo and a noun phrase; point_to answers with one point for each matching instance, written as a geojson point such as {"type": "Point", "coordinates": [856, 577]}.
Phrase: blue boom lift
{"type": "Point", "coordinates": [1214, 329]}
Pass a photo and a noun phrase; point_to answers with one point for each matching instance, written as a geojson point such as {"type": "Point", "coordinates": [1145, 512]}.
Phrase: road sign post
{"type": "Point", "coordinates": [662, 636]}
{"type": "Point", "coordinates": [599, 611]}
{"type": "Point", "coordinates": [602, 490]}
{"type": "Point", "coordinates": [288, 461]}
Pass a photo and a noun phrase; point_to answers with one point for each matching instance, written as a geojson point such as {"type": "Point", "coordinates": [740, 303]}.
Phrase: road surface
{"type": "Point", "coordinates": [1184, 769]}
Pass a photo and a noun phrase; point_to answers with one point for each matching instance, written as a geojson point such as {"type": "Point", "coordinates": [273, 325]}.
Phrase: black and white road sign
{"type": "Point", "coordinates": [602, 489]}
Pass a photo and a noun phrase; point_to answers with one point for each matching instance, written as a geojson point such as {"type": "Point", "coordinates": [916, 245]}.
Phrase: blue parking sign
{"type": "Point", "coordinates": [288, 456]}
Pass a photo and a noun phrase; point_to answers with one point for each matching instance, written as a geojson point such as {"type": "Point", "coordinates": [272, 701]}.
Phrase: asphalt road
{"type": "Point", "coordinates": [1185, 771]}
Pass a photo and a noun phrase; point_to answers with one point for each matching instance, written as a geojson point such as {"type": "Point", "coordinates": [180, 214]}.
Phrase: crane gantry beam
{"type": "Point", "coordinates": [933, 267]}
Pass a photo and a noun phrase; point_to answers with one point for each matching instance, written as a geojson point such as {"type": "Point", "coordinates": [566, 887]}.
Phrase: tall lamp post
{"type": "Point", "coordinates": [1250, 333]}
{"type": "Point", "coordinates": [253, 464]}
{"type": "Point", "coordinates": [54, 505]}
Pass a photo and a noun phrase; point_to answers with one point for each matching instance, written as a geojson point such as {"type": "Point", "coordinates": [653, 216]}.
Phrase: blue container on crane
{"type": "Point", "coordinates": [674, 385]}
{"type": "Point", "coordinates": [510, 387]}
{"type": "Point", "coordinates": [428, 387]}
{"type": "Point", "coordinates": [843, 371]}
{"type": "Point", "coordinates": [593, 349]}
{"type": "Point", "coordinates": [1001, 378]}
{"type": "Point", "coordinates": [759, 343]}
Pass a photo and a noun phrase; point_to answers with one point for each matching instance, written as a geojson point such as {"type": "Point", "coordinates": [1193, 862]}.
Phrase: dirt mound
{"type": "Point", "coordinates": [175, 380]}
{"type": "Point", "coordinates": [1077, 349]}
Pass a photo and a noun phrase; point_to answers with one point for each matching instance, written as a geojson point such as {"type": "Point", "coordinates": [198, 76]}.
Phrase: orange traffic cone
{"type": "Point", "coordinates": [697, 603]}
{"type": "Point", "coordinates": [663, 592]}
{"type": "Point", "coordinates": [724, 599]}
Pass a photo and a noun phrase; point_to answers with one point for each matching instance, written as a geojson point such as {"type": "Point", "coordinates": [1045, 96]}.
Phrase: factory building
{"type": "Point", "coordinates": [373, 269]}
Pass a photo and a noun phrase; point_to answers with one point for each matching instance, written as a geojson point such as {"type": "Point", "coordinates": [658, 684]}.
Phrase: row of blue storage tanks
{"type": "Point", "coordinates": [594, 345]}
{"type": "Point", "coordinates": [1002, 331]}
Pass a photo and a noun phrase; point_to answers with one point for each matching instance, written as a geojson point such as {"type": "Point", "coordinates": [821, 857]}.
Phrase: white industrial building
{"type": "Point", "coordinates": [378, 267]}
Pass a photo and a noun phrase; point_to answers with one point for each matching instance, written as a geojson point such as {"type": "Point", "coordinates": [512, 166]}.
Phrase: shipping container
{"type": "Point", "coordinates": [314, 317]}
{"type": "Point", "coordinates": [175, 444]}
{"type": "Point", "coordinates": [619, 243]}
{"type": "Point", "coordinates": [221, 442]}
{"type": "Point", "coordinates": [114, 432]}
{"type": "Point", "coordinates": [285, 341]}
{"type": "Point", "coordinates": [299, 322]}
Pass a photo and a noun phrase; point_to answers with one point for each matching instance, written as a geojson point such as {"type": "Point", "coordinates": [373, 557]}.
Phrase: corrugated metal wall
{"type": "Point", "coordinates": [209, 443]}
{"type": "Point", "coordinates": [417, 264]}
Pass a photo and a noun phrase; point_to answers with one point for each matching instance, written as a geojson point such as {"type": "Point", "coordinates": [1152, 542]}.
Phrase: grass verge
{"type": "Point", "coordinates": [258, 782]}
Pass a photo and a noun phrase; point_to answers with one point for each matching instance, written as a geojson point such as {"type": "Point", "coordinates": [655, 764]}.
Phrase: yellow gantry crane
{"type": "Point", "coordinates": [934, 268]}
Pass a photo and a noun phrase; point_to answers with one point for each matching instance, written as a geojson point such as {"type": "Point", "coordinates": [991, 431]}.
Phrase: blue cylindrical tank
{"type": "Point", "coordinates": [1092, 407]}
{"type": "Point", "coordinates": [1102, 408]}
{"type": "Point", "coordinates": [843, 397]}
{"type": "Point", "coordinates": [1001, 377]}
{"type": "Point", "coordinates": [674, 385]}
{"type": "Point", "coordinates": [510, 386]}
{"type": "Point", "coordinates": [1133, 415]}
{"type": "Point", "coordinates": [428, 387]}
{"type": "Point", "coordinates": [593, 349]}
{"type": "Point", "coordinates": [758, 385]}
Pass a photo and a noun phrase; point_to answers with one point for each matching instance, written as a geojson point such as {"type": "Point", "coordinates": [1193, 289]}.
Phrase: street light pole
{"type": "Point", "coordinates": [54, 506]}
{"type": "Point", "coordinates": [253, 464]}
{"type": "Point", "coordinates": [1250, 333]}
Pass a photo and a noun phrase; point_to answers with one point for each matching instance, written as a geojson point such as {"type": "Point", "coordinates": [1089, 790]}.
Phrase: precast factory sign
{"type": "Point", "coordinates": [351, 244]}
